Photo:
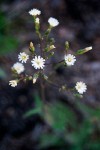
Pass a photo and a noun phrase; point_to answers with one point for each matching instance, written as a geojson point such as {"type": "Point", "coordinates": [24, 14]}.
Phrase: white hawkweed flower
{"type": "Point", "coordinates": [23, 57]}
{"type": "Point", "coordinates": [38, 62]}
{"type": "Point", "coordinates": [18, 67]}
{"type": "Point", "coordinates": [34, 12]}
{"type": "Point", "coordinates": [70, 59]}
{"type": "Point", "coordinates": [81, 87]}
{"type": "Point", "coordinates": [53, 22]}
{"type": "Point", "coordinates": [37, 20]}
{"type": "Point", "coordinates": [13, 83]}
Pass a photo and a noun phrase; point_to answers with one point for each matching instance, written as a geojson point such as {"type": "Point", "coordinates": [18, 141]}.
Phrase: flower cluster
{"type": "Point", "coordinates": [39, 62]}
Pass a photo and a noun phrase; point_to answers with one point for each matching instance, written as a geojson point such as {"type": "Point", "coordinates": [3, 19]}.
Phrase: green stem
{"type": "Point", "coordinates": [42, 88]}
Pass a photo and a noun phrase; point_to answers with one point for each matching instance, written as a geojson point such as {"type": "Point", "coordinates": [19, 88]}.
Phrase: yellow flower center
{"type": "Point", "coordinates": [38, 62]}
{"type": "Point", "coordinates": [69, 59]}
{"type": "Point", "coordinates": [79, 86]}
{"type": "Point", "coordinates": [23, 57]}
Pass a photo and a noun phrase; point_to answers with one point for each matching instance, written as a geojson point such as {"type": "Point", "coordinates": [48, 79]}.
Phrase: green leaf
{"type": "Point", "coordinates": [59, 116]}
{"type": "Point", "coordinates": [49, 139]}
{"type": "Point", "coordinates": [38, 102]}
{"type": "Point", "coordinates": [7, 44]}
{"type": "Point", "coordinates": [92, 112]}
{"type": "Point", "coordinates": [31, 113]}
{"type": "Point", "coordinates": [37, 109]}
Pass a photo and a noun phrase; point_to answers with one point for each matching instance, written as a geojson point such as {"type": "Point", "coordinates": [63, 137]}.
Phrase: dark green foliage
{"type": "Point", "coordinates": [66, 131]}
{"type": "Point", "coordinates": [2, 74]}
{"type": "Point", "coordinates": [7, 41]}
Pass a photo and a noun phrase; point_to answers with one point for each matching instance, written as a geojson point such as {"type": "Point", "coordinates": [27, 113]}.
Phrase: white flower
{"type": "Point", "coordinates": [34, 12]}
{"type": "Point", "coordinates": [53, 22]}
{"type": "Point", "coordinates": [23, 57]}
{"type": "Point", "coordinates": [37, 20]}
{"type": "Point", "coordinates": [81, 87]}
{"type": "Point", "coordinates": [38, 62]}
{"type": "Point", "coordinates": [18, 67]}
{"type": "Point", "coordinates": [70, 59]}
{"type": "Point", "coordinates": [13, 83]}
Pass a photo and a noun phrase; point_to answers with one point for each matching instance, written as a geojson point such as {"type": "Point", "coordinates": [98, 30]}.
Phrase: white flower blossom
{"type": "Point", "coordinates": [23, 57]}
{"type": "Point", "coordinates": [53, 22]}
{"type": "Point", "coordinates": [13, 83]}
{"type": "Point", "coordinates": [18, 67]}
{"type": "Point", "coordinates": [81, 87]}
{"type": "Point", "coordinates": [34, 12]}
{"type": "Point", "coordinates": [38, 62]}
{"type": "Point", "coordinates": [70, 59]}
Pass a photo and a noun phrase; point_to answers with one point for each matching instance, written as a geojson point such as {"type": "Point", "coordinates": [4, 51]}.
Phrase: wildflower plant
{"type": "Point", "coordinates": [40, 61]}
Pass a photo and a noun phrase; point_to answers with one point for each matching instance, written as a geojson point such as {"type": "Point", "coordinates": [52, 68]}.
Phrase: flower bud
{"type": "Point", "coordinates": [30, 77]}
{"type": "Point", "coordinates": [66, 45]}
{"type": "Point", "coordinates": [88, 49]}
{"type": "Point", "coordinates": [37, 20]}
{"type": "Point", "coordinates": [82, 51]}
{"type": "Point", "coordinates": [52, 53]}
{"type": "Point", "coordinates": [34, 80]}
{"type": "Point", "coordinates": [35, 77]}
{"type": "Point", "coordinates": [51, 41]}
{"type": "Point", "coordinates": [45, 77]}
{"type": "Point", "coordinates": [51, 47]}
{"type": "Point", "coordinates": [31, 44]}
{"type": "Point", "coordinates": [47, 49]}
{"type": "Point", "coordinates": [31, 47]}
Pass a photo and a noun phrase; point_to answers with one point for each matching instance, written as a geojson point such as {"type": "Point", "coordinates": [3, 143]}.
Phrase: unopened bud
{"type": "Point", "coordinates": [82, 51]}
{"type": "Point", "coordinates": [45, 77]}
{"type": "Point", "coordinates": [30, 77]}
{"type": "Point", "coordinates": [47, 49]}
{"type": "Point", "coordinates": [31, 48]}
{"type": "Point", "coordinates": [31, 44]}
{"type": "Point", "coordinates": [52, 47]}
{"type": "Point", "coordinates": [35, 77]}
{"type": "Point", "coordinates": [88, 48]}
{"type": "Point", "coordinates": [52, 53]}
{"type": "Point", "coordinates": [34, 80]}
{"type": "Point", "coordinates": [66, 45]}
{"type": "Point", "coordinates": [51, 41]}
{"type": "Point", "coordinates": [37, 20]}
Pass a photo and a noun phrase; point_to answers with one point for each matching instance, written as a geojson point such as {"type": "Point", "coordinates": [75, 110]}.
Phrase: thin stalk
{"type": "Point", "coordinates": [42, 86]}
{"type": "Point", "coordinates": [42, 89]}
{"type": "Point", "coordinates": [55, 63]}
